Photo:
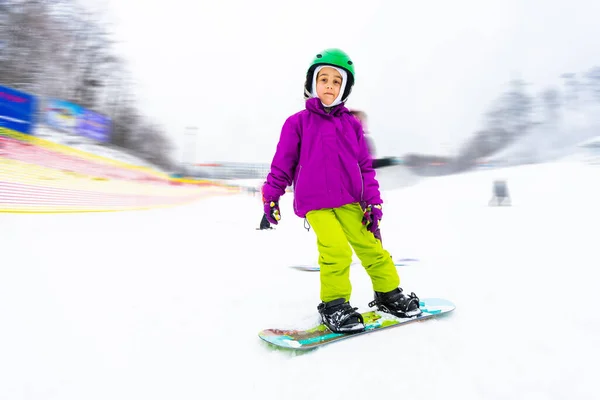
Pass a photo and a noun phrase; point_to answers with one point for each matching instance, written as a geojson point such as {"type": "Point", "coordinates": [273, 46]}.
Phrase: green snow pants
{"type": "Point", "coordinates": [337, 229]}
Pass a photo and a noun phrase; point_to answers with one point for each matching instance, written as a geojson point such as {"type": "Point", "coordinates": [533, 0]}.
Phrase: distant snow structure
{"type": "Point", "coordinates": [500, 196]}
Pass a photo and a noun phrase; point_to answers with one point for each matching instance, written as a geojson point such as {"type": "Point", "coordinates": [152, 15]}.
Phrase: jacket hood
{"type": "Point", "coordinates": [315, 105]}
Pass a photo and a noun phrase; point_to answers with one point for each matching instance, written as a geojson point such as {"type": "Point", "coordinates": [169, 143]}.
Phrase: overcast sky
{"type": "Point", "coordinates": [426, 71]}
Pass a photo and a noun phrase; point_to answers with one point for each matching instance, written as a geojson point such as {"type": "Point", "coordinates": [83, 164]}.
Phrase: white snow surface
{"type": "Point", "coordinates": [167, 304]}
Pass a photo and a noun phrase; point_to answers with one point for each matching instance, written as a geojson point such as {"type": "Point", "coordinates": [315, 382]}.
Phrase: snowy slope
{"type": "Point", "coordinates": [166, 304]}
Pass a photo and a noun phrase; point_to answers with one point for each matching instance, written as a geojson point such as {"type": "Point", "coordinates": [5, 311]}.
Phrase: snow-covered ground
{"type": "Point", "coordinates": [167, 304]}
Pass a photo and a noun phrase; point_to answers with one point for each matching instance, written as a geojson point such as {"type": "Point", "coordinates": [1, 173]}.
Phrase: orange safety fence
{"type": "Point", "coordinates": [41, 176]}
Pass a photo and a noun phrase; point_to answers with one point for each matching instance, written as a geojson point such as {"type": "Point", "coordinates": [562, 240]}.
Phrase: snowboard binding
{"type": "Point", "coordinates": [397, 303]}
{"type": "Point", "coordinates": [340, 317]}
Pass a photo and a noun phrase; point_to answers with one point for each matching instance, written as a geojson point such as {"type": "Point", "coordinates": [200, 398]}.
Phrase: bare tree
{"type": "Point", "coordinates": [512, 115]}
{"type": "Point", "coordinates": [593, 82]}
{"type": "Point", "coordinates": [151, 145]}
{"type": "Point", "coordinates": [551, 101]}
{"type": "Point", "coordinates": [572, 94]}
{"type": "Point", "coordinates": [60, 49]}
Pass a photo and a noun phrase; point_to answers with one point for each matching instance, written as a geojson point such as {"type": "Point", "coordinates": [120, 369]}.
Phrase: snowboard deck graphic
{"type": "Point", "coordinates": [374, 321]}
{"type": "Point", "coordinates": [400, 262]}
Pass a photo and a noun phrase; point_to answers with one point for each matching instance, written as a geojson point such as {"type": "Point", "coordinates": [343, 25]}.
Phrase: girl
{"type": "Point", "coordinates": [322, 151]}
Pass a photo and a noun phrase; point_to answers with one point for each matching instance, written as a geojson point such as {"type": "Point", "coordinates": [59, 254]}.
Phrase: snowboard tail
{"type": "Point", "coordinates": [374, 321]}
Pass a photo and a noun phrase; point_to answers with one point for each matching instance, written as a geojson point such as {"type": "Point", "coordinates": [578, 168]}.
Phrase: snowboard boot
{"type": "Point", "coordinates": [340, 317]}
{"type": "Point", "coordinates": [264, 223]}
{"type": "Point", "coordinates": [397, 303]}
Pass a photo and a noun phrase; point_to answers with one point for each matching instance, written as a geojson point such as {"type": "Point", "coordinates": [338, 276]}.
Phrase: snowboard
{"type": "Point", "coordinates": [401, 262]}
{"type": "Point", "coordinates": [374, 321]}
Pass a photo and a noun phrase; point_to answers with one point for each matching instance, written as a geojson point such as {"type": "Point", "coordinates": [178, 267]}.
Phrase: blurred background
{"type": "Point", "coordinates": [115, 104]}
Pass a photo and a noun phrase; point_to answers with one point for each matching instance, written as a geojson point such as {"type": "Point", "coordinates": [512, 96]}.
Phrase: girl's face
{"type": "Point", "coordinates": [329, 82]}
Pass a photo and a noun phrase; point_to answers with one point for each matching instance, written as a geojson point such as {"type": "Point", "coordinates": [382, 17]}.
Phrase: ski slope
{"type": "Point", "coordinates": [166, 304]}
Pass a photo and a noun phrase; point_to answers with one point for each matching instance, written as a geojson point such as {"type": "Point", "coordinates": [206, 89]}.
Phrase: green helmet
{"type": "Point", "coordinates": [337, 58]}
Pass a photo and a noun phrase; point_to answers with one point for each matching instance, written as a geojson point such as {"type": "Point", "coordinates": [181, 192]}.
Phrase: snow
{"type": "Point", "coordinates": [167, 303]}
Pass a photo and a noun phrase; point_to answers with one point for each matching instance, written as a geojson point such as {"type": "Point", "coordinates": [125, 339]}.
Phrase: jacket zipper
{"type": "Point", "coordinates": [296, 189]}
{"type": "Point", "coordinates": [362, 183]}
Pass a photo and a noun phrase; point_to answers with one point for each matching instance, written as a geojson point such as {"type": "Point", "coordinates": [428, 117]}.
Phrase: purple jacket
{"type": "Point", "coordinates": [325, 156]}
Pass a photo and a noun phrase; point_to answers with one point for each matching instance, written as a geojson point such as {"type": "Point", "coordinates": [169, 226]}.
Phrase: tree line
{"type": "Point", "coordinates": [517, 112]}
{"type": "Point", "coordinates": [59, 49]}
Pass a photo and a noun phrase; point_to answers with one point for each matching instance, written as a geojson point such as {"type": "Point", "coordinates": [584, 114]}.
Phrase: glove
{"type": "Point", "coordinates": [372, 217]}
{"type": "Point", "coordinates": [272, 212]}
{"type": "Point", "coordinates": [377, 234]}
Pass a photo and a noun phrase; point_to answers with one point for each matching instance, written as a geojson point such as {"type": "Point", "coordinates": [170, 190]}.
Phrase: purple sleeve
{"type": "Point", "coordinates": [371, 193]}
{"type": "Point", "coordinates": [284, 162]}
